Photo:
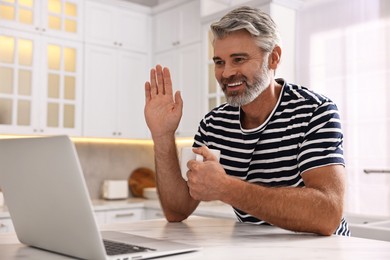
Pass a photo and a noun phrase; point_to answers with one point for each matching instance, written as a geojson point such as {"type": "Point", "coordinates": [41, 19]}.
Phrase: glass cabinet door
{"type": "Point", "coordinates": [17, 72]}
{"type": "Point", "coordinates": [59, 18]}
{"type": "Point", "coordinates": [19, 13]}
{"type": "Point", "coordinates": [40, 82]}
{"type": "Point", "coordinates": [62, 108]}
{"type": "Point", "coordinates": [62, 18]}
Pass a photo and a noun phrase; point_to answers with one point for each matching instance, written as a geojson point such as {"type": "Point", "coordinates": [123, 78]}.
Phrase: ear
{"type": "Point", "coordinates": [274, 57]}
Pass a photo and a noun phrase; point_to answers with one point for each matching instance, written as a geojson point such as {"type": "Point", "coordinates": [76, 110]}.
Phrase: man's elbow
{"type": "Point", "coordinates": [328, 228]}
{"type": "Point", "coordinates": [175, 217]}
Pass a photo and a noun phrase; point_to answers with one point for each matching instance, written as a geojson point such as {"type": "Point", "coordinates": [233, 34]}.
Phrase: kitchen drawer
{"type": "Point", "coordinates": [153, 214]}
{"type": "Point", "coordinates": [125, 215]}
{"type": "Point", "coordinates": [6, 225]}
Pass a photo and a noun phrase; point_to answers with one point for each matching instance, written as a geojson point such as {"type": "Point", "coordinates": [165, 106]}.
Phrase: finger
{"type": "Point", "coordinates": [167, 81]}
{"type": "Point", "coordinates": [147, 92]}
{"type": "Point", "coordinates": [179, 100]}
{"type": "Point", "coordinates": [206, 153]}
{"type": "Point", "coordinates": [160, 80]}
{"type": "Point", "coordinates": [192, 165]}
{"type": "Point", "coordinates": [153, 83]}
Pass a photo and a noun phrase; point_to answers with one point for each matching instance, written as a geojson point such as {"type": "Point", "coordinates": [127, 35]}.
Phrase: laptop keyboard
{"type": "Point", "coordinates": [118, 248]}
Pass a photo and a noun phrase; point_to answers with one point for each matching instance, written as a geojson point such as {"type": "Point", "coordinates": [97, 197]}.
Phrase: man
{"type": "Point", "coordinates": [281, 144]}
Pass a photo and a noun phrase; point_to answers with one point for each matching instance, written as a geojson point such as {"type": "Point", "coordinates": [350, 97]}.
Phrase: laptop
{"type": "Point", "coordinates": [50, 207]}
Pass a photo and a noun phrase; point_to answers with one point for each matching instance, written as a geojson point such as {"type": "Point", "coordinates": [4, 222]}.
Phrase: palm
{"type": "Point", "coordinates": [162, 110]}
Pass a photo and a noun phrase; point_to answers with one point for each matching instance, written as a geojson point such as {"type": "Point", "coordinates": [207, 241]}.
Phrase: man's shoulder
{"type": "Point", "coordinates": [298, 93]}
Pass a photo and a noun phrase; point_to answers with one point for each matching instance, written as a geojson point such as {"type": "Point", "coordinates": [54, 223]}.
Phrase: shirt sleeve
{"type": "Point", "coordinates": [323, 142]}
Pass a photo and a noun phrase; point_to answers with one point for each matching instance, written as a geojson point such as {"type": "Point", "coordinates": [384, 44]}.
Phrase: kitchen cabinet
{"type": "Point", "coordinates": [153, 213]}
{"type": "Point", "coordinates": [40, 84]}
{"type": "Point", "coordinates": [114, 93]}
{"type": "Point", "coordinates": [117, 62]}
{"type": "Point", "coordinates": [178, 47]}
{"type": "Point", "coordinates": [57, 18]}
{"type": "Point", "coordinates": [177, 26]}
{"type": "Point", "coordinates": [118, 27]}
{"type": "Point", "coordinates": [124, 215]}
{"type": "Point", "coordinates": [185, 67]}
{"type": "Point", "coordinates": [6, 225]}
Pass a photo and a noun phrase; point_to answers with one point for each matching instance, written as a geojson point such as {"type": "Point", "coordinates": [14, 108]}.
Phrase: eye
{"type": "Point", "coordinates": [219, 62]}
{"type": "Point", "coordinates": [239, 60]}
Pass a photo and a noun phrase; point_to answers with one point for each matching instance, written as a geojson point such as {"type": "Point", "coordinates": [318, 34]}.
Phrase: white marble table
{"type": "Point", "coordinates": [227, 239]}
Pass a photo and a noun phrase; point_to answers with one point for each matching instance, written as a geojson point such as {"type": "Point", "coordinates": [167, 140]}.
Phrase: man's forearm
{"type": "Point", "coordinates": [173, 191]}
{"type": "Point", "coordinates": [297, 209]}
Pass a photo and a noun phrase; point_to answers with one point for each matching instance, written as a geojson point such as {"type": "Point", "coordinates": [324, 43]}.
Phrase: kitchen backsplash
{"type": "Point", "coordinates": [113, 161]}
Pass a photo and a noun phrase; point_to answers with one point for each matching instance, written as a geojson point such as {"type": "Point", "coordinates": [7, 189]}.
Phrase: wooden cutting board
{"type": "Point", "coordinates": [141, 178]}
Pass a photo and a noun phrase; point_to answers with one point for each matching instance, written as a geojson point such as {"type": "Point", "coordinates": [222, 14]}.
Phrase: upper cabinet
{"type": "Point", "coordinates": [58, 18]}
{"type": "Point", "coordinates": [177, 26]}
{"type": "Point", "coordinates": [178, 47]}
{"type": "Point", "coordinates": [117, 64]}
{"type": "Point", "coordinates": [41, 66]}
{"type": "Point", "coordinates": [114, 26]}
{"type": "Point", "coordinates": [114, 93]}
{"type": "Point", "coordinates": [40, 84]}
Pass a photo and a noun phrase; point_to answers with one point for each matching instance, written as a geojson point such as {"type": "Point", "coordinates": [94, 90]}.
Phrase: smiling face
{"type": "Point", "coordinates": [241, 67]}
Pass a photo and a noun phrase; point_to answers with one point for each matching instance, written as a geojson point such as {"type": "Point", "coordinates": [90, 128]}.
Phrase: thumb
{"type": "Point", "coordinates": [178, 99]}
{"type": "Point", "coordinates": [208, 155]}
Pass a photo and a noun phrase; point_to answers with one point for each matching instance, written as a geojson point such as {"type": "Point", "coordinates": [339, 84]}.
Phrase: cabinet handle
{"type": "Point", "coordinates": [120, 44]}
{"type": "Point", "coordinates": [119, 133]}
{"type": "Point", "coordinates": [115, 43]}
{"type": "Point", "coordinates": [124, 215]}
{"type": "Point", "coordinates": [114, 133]}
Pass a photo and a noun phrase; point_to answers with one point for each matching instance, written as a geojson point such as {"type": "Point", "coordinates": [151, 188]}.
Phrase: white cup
{"type": "Point", "coordinates": [187, 154]}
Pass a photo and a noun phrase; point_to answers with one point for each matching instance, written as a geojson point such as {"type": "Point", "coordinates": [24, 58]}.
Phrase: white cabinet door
{"type": "Point", "coordinates": [166, 30]}
{"type": "Point", "coordinates": [177, 27]}
{"type": "Point", "coordinates": [190, 82]}
{"type": "Point", "coordinates": [185, 67]}
{"type": "Point", "coordinates": [133, 72]}
{"type": "Point", "coordinates": [153, 213]}
{"type": "Point", "coordinates": [6, 225]}
{"type": "Point", "coordinates": [125, 215]}
{"type": "Point", "coordinates": [133, 30]}
{"type": "Point", "coordinates": [117, 27]}
{"type": "Point", "coordinates": [100, 92]}
{"type": "Point", "coordinates": [114, 93]}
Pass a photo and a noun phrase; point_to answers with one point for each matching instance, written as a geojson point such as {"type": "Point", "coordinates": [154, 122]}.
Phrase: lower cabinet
{"type": "Point", "coordinates": [126, 215]}
{"type": "Point", "coordinates": [6, 225]}
{"type": "Point", "coordinates": [153, 214]}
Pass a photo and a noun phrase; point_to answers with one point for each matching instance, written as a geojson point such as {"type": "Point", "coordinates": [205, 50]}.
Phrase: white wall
{"type": "Point", "coordinates": [342, 51]}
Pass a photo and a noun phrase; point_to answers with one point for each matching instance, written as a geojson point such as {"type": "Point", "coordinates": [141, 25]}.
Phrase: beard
{"type": "Point", "coordinates": [252, 90]}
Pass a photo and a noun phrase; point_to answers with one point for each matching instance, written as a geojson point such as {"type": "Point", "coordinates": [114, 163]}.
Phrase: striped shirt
{"type": "Point", "coordinates": [302, 132]}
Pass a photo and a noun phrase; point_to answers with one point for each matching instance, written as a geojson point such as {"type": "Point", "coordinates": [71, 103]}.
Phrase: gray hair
{"type": "Point", "coordinates": [258, 23]}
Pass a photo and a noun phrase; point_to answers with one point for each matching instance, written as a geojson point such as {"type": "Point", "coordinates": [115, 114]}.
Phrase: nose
{"type": "Point", "coordinates": [228, 71]}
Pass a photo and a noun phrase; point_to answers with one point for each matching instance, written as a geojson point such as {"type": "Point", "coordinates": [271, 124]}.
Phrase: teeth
{"type": "Point", "coordinates": [234, 84]}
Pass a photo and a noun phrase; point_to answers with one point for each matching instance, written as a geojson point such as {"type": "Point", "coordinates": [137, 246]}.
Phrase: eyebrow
{"type": "Point", "coordinates": [240, 54]}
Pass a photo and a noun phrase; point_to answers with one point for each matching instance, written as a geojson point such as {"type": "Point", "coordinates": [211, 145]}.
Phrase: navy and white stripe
{"type": "Point", "coordinates": [303, 132]}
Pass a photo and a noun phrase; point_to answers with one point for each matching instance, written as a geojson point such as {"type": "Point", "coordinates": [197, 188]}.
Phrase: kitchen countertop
{"type": "Point", "coordinates": [228, 239]}
{"type": "Point", "coordinates": [213, 208]}
{"type": "Point", "coordinates": [207, 209]}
